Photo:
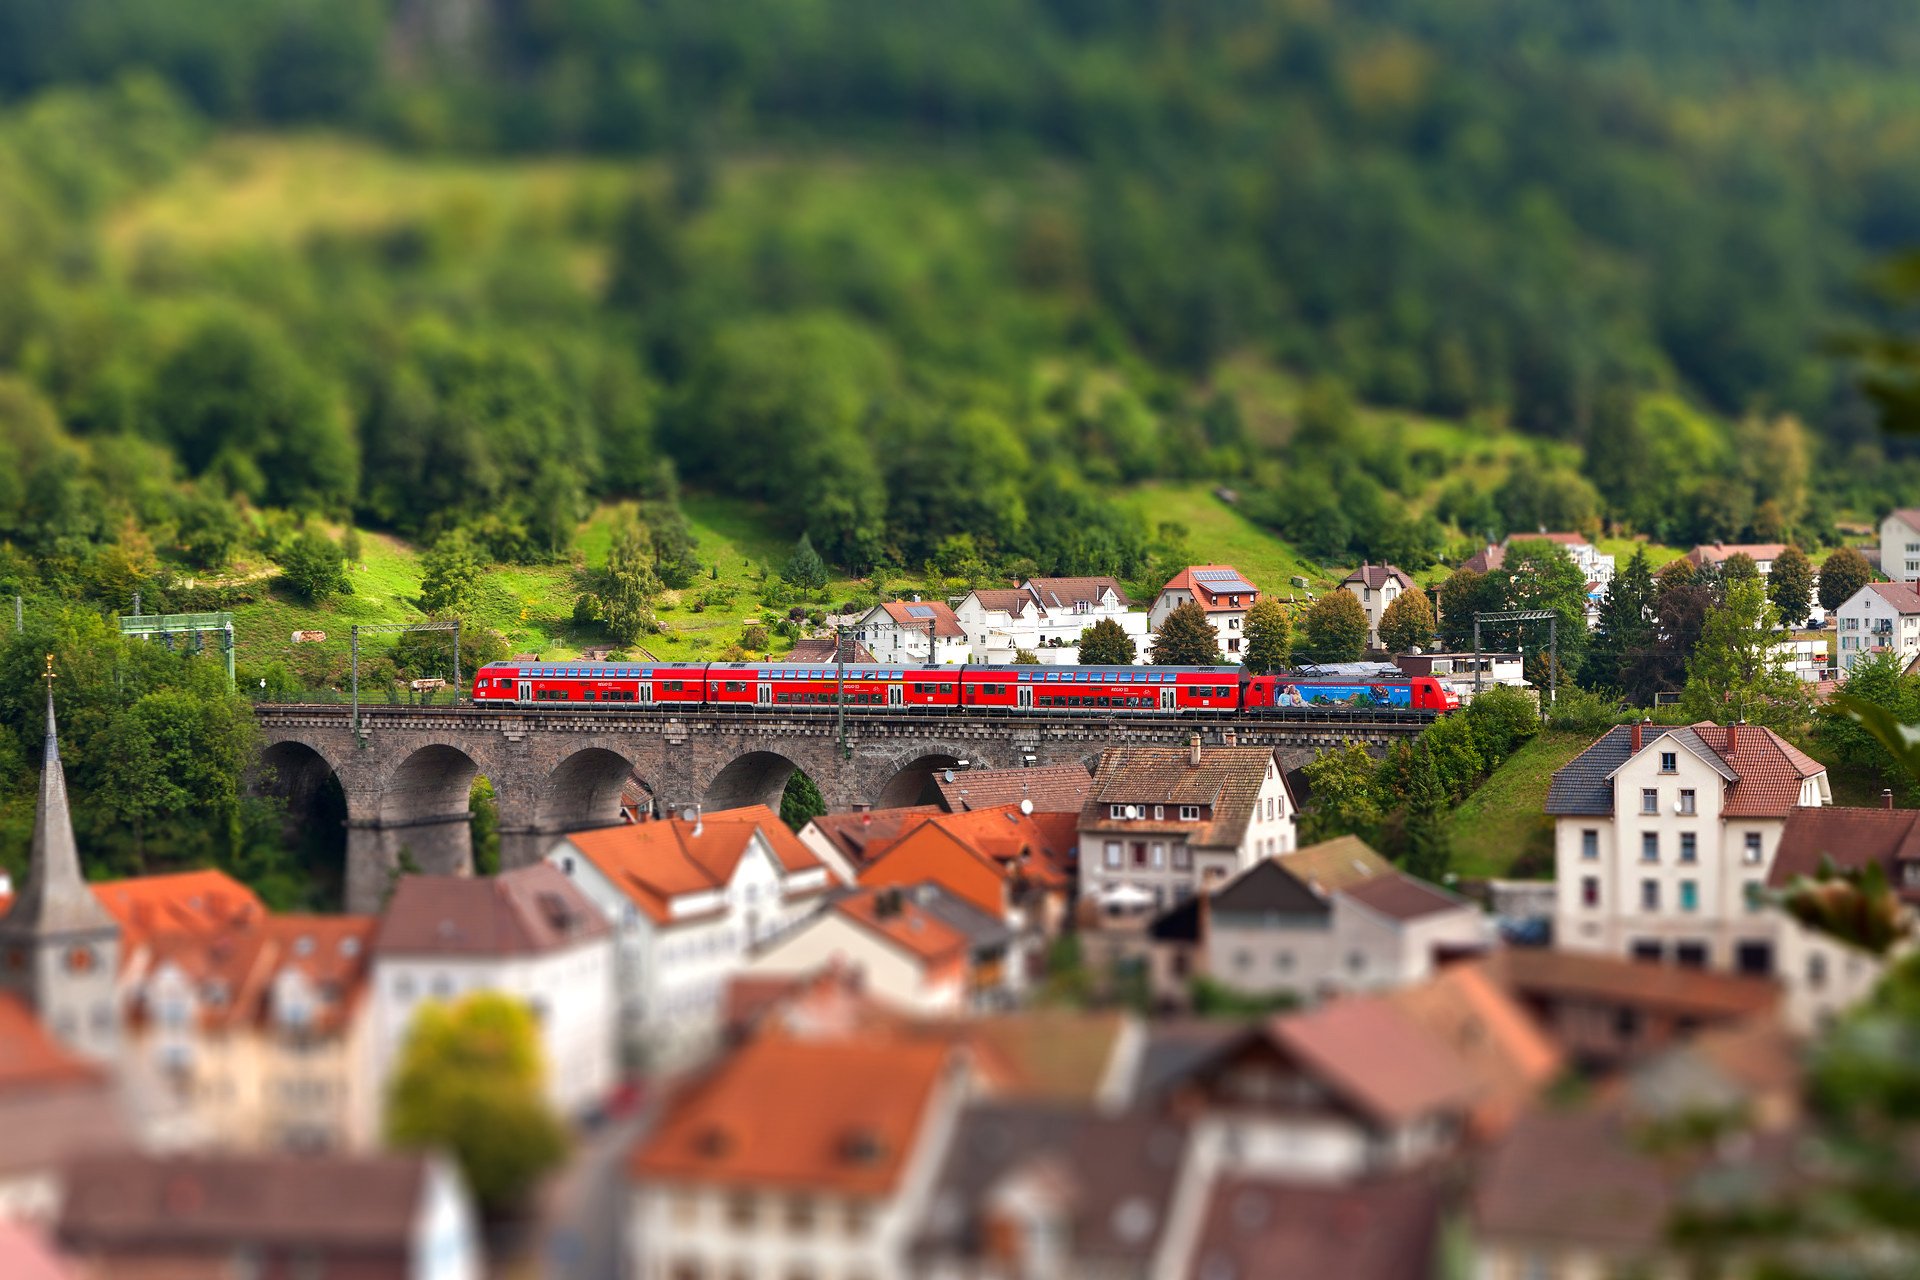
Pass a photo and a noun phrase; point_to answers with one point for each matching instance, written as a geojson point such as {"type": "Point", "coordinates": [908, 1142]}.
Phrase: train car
{"type": "Point", "coordinates": [537, 682]}
{"type": "Point", "coordinates": [784, 684]}
{"type": "Point", "coordinates": [1101, 690]}
{"type": "Point", "coordinates": [1413, 693]}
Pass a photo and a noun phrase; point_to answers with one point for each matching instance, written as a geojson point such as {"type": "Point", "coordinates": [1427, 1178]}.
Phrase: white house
{"type": "Point", "coordinates": [1163, 823]}
{"type": "Point", "coordinates": [1664, 838]}
{"type": "Point", "coordinates": [688, 901]}
{"type": "Point", "coordinates": [905, 630]}
{"type": "Point", "coordinates": [1044, 616]}
{"type": "Point", "coordinates": [1881, 617]}
{"type": "Point", "coordinates": [526, 933]}
{"type": "Point", "coordinates": [1900, 545]}
{"type": "Point", "coordinates": [1376, 586]}
{"type": "Point", "coordinates": [796, 1157]}
{"type": "Point", "coordinates": [1219, 589]}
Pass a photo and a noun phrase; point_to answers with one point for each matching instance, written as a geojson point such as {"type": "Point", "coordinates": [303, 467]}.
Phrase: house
{"type": "Point", "coordinates": [1376, 586]}
{"type": "Point", "coordinates": [1763, 554]}
{"type": "Point", "coordinates": [1222, 591]}
{"type": "Point", "coordinates": [918, 947]}
{"type": "Point", "coordinates": [1332, 917]}
{"type": "Point", "coordinates": [1004, 863]}
{"type": "Point", "coordinates": [1266, 1228]}
{"type": "Point", "coordinates": [381, 1217]}
{"type": "Point", "coordinates": [1047, 788]}
{"type": "Point", "coordinates": [795, 1157]}
{"type": "Point", "coordinates": [1162, 823]}
{"type": "Point", "coordinates": [55, 1106]}
{"type": "Point", "coordinates": [1881, 617]}
{"type": "Point", "coordinates": [1510, 1056]}
{"type": "Point", "coordinates": [61, 949]}
{"type": "Point", "coordinates": [1603, 1011]}
{"type": "Point", "coordinates": [529, 933]}
{"type": "Point", "coordinates": [1045, 1189]}
{"type": "Point", "coordinates": [905, 631]}
{"type": "Point", "coordinates": [1044, 616]}
{"type": "Point", "coordinates": [1663, 837]}
{"type": "Point", "coordinates": [1900, 545]}
{"type": "Point", "coordinates": [688, 901]}
{"type": "Point", "coordinates": [823, 652]}
{"type": "Point", "coordinates": [847, 842]}
{"type": "Point", "coordinates": [251, 1031]}
{"type": "Point", "coordinates": [1351, 1089]}
{"type": "Point", "coordinates": [1824, 976]}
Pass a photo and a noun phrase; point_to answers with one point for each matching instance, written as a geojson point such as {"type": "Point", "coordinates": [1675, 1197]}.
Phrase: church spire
{"type": "Point", "coordinates": [55, 898]}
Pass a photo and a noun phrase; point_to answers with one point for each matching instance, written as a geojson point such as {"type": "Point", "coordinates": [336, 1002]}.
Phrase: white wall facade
{"type": "Point", "coordinates": [888, 641]}
{"type": "Point", "coordinates": [1870, 623]}
{"type": "Point", "coordinates": [889, 972]}
{"type": "Point", "coordinates": [446, 1231]}
{"type": "Point", "coordinates": [1274, 828]}
{"type": "Point", "coordinates": [1229, 624]}
{"type": "Point", "coordinates": [1375, 601]}
{"type": "Point", "coordinates": [1899, 549]}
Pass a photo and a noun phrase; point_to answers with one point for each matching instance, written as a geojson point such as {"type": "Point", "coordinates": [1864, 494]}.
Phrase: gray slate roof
{"type": "Point", "coordinates": [1585, 786]}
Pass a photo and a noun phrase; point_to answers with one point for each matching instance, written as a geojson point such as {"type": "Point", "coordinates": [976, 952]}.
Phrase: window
{"type": "Point", "coordinates": [1113, 853]}
{"type": "Point", "coordinates": [1243, 960]}
{"type": "Point", "coordinates": [1756, 895]}
{"type": "Point", "coordinates": [1649, 846]}
{"type": "Point", "coordinates": [1688, 805]}
{"type": "Point", "coordinates": [1189, 813]}
{"type": "Point", "coordinates": [1690, 955]}
{"type": "Point", "coordinates": [1689, 895]}
{"type": "Point", "coordinates": [1356, 961]}
{"type": "Point", "coordinates": [1751, 855]}
{"type": "Point", "coordinates": [1669, 762]}
{"type": "Point", "coordinates": [1590, 891]}
{"type": "Point", "coordinates": [1816, 971]}
{"type": "Point", "coordinates": [1159, 812]}
{"type": "Point", "coordinates": [742, 1208]}
{"type": "Point", "coordinates": [800, 1215]}
{"type": "Point", "coordinates": [1139, 853]}
{"type": "Point", "coordinates": [1159, 855]}
{"type": "Point", "coordinates": [1283, 961]}
{"type": "Point", "coordinates": [1689, 847]}
{"type": "Point", "coordinates": [1589, 845]}
{"type": "Point", "coordinates": [1182, 858]}
{"type": "Point", "coordinates": [1649, 800]}
{"type": "Point", "coordinates": [1116, 811]}
{"type": "Point", "coordinates": [1649, 895]}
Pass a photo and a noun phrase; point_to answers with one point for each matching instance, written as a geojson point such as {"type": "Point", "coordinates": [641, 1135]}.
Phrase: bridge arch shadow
{"type": "Point", "coordinates": [584, 791]}
{"type": "Point", "coordinates": [758, 777]}
{"type": "Point", "coordinates": [424, 811]}
{"type": "Point", "coordinates": [314, 828]}
{"type": "Point", "coordinates": [912, 782]}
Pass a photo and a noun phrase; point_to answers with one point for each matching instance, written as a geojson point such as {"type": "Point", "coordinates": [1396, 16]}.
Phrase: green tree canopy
{"type": "Point", "coordinates": [1738, 670]}
{"type": "Point", "coordinates": [805, 569]}
{"type": "Point", "coordinates": [1106, 644]}
{"type": "Point", "coordinates": [800, 801]}
{"type": "Point", "coordinates": [1625, 631]}
{"type": "Point", "coordinates": [469, 1081]}
{"type": "Point", "coordinates": [628, 586]}
{"type": "Point", "coordinates": [1429, 840]}
{"type": "Point", "coordinates": [1269, 635]}
{"type": "Point", "coordinates": [1842, 573]}
{"type": "Point", "coordinates": [1333, 630]}
{"type": "Point", "coordinates": [1790, 586]}
{"type": "Point", "coordinates": [1341, 796]}
{"type": "Point", "coordinates": [1186, 638]}
{"type": "Point", "coordinates": [1407, 622]}
{"type": "Point", "coordinates": [315, 566]}
{"type": "Point", "coordinates": [449, 573]}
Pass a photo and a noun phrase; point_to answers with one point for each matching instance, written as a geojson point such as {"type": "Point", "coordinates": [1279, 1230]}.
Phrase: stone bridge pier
{"type": "Point", "coordinates": [408, 773]}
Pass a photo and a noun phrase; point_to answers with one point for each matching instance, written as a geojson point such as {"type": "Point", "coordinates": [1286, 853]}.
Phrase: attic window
{"type": "Point", "coordinates": [713, 1142]}
{"type": "Point", "coordinates": [349, 947]}
{"type": "Point", "coordinates": [862, 1147]}
{"type": "Point", "coordinates": [558, 913]}
{"type": "Point", "coordinates": [303, 945]}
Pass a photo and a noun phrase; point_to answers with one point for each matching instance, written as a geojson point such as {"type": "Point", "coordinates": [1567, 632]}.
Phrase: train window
{"type": "Point", "coordinates": [736, 686]}
{"type": "Point", "coordinates": [946, 688]}
{"type": "Point", "coordinates": [673, 686]}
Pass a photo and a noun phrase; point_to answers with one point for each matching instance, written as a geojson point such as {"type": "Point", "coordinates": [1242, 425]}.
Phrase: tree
{"type": "Point", "coordinates": [800, 802]}
{"type": "Point", "coordinates": [314, 566]}
{"type": "Point", "coordinates": [1269, 638]}
{"type": "Point", "coordinates": [805, 569]}
{"type": "Point", "coordinates": [1429, 839]}
{"type": "Point", "coordinates": [1842, 574]}
{"type": "Point", "coordinates": [1408, 622]}
{"type": "Point", "coordinates": [1740, 567]}
{"type": "Point", "coordinates": [628, 586]}
{"type": "Point", "coordinates": [1106, 644]}
{"type": "Point", "coordinates": [1463, 594]}
{"type": "Point", "coordinates": [1341, 796]}
{"type": "Point", "coordinates": [1625, 631]}
{"type": "Point", "coordinates": [450, 571]}
{"type": "Point", "coordinates": [1186, 639]}
{"type": "Point", "coordinates": [1790, 586]}
{"type": "Point", "coordinates": [1738, 669]}
{"type": "Point", "coordinates": [1334, 629]}
{"type": "Point", "coordinates": [1538, 574]}
{"type": "Point", "coordinates": [469, 1081]}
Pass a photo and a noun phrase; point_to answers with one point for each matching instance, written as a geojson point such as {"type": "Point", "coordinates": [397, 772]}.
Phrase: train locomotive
{"type": "Point", "coordinates": [1037, 690]}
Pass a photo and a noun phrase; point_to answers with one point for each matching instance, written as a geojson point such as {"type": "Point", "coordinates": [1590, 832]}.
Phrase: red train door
{"type": "Point", "coordinates": [1024, 694]}
{"type": "Point", "coordinates": [526, 690]}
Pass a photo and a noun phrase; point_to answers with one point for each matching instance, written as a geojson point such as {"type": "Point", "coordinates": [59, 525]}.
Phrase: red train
{"type": "Point", "coordinates": [1063, 690]}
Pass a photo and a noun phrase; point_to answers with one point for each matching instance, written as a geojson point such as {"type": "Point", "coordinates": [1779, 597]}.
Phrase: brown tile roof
{"type": "Point", "coordinates": [1053, 788]}
{"type": "Point", "coordinates": [1009, 600]}
{"type": "Point", "coordinates": [1378, 575]}
{"type": "Point", "coordinates": [1771, 769]}
{"type": "Point", "coordinates": [1900, 595]}
{"type": "Point", "coordinates": [820, 652]}
{"type": "Point", "coordinates": [1402, 897]}
{"type": "Point", "coordinates": [1850, 837]}
{"type": "Point", "coordinates": [1211, 586]}
{"type": "Point", "coordinates": [1909, 514]}
{"type": "Point", "coordinates": [654, 862]}
{"type": "Point", "coordinates": [1058, 1054]}
{"type": "Point", "coordinates": [1336, 864]}
{"type": "Point", "coordinates": [526, 911]}
{"type": "Point", "coordinates": [1485, 560]}
{"type": "Point", "coordinates": [1227, 778]}
{"type": "Point", "coordinates": [1508, 1054]}
{"type": "Point", "coordinates": [945, 625]}
{"type": "Point", "coordinates": [837, 1115]}
{"type": "Point", "coordinates": [134, 1203]}
{"type": "Point", "coordinates": [1064, 593]}
{"type": "Point", "coordinates": [1260, 1228]}
{"type": "Point", "coordinates": [862, 837]}
{"type": "Point", "coordinates": [1377, 1057]}
{"type": "Point", "coordinates": [1567, 1177]}
{"type": "Point", "coordinates": [1548, 971]}
{"type": "Point", "coordinates": [1721, 552]}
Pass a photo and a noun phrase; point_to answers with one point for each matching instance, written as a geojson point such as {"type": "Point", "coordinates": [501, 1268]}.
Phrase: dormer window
{"type": "Point", "coordinates": [1189, 813]}
{"type": "Point", "coordinates": [862, 1147]}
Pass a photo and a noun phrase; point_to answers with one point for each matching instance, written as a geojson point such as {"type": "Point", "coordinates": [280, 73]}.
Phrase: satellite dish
{"type": "Point", "coordinates": [1026, 807]}
{"type": "Point", "coordinates": [948, 775]}
{"type": "Point", "coordinates": [1132, 812]}
{"type": "Point", "coordinates": [689, 813]}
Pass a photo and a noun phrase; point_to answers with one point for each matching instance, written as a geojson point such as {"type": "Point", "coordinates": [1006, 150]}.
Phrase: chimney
{"type": "Point", "coordinates": [1193, 750]}
{"type": "Point", "coordinates": [1639, 736]}
{"type": "Point", "coordinates": [1733, 737]}
{"type": "Point", "coordinates": [1886, 797]}
{"type": "Point", "coordinates": [1229, 738]}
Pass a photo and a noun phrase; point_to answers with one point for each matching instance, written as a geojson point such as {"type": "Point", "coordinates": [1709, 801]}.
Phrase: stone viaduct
{"type": "Point", "coordinates": [408, 774]}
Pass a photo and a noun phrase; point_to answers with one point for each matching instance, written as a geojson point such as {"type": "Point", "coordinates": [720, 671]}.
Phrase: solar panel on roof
{"type": "Point", "coordinates": [919, 611]}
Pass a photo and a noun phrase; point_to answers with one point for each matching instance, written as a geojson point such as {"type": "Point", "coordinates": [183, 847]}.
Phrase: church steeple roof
{"type": "Point", "coordinates": [55, 899]}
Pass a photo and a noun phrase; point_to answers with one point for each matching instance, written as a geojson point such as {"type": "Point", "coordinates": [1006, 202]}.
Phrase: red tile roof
{"type": "Point", "coordinates": [892, 915]}
{"type": "Point", "coordinates": [24, 1255]}
{"type": "Point", "coordinates": [1771, 769]}
{"type": "Point", "coordinates": [1721, 552]}
{"type": "Point", "coordinates": [655, 862]}
{"type": "Point", "coordinates": [30, 1058]}
{"type": "Point", "coordinates": [1052, 788]}
{"type": "Point", "coordinates": [1401, 897]}
{"type": "Point", "coordinates": [1510, 1055]}
{"type": "Point", "coordinates": [1262, 1228]}
{"type": "Point", "coordinates": [1850, 837]}
{"type": "Point", "coordinates": [1213, 592]}
{"type": "Point", "coordinates": [835, 1115]}
{"type": "Point", "coordinates": [1900, 595]}
{"type": "Point", "coordinates": [527, 911]}
{"type": "Point", "coordinates": [945, 625]}
{"type": "Point", "coordinates": [1378, 1058]}
{"type": "Point", "coordinates": [1551, 972]}
{"type": "Point", "coordinates": [862, 837]}
{"type": "Point", "coordinates": [202, 903]}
